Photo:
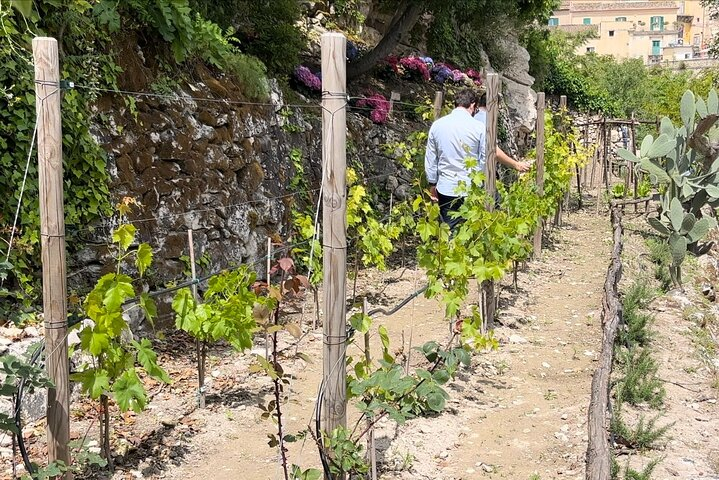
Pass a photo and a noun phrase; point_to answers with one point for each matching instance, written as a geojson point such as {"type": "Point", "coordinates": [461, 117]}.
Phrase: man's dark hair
{"type": "Point", "coordinates": [465, 97]}
{"type": "Point", "coordinates": [482, 100]}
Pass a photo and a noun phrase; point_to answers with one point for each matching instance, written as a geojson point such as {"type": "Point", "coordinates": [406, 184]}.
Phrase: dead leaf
{"type": "Point", "coordinates": [294, 330]}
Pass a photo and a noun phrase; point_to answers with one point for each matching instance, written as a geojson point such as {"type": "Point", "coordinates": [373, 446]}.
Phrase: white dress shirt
{"type": "Point", "coordinates": [452, 139]}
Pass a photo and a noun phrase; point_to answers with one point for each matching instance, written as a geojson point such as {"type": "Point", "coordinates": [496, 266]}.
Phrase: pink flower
{"type": "Point", "coordinates": [379, 105]}
{"type": "Point", "coordinates": [415, 64]}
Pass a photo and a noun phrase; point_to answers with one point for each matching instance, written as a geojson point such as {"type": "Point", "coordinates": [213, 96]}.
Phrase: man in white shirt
{"type": "Point", "coordinates": [452, 139]}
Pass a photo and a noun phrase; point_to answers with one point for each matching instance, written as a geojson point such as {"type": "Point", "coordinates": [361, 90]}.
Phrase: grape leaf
{"type": "Point", "coordinates": [129, 392]}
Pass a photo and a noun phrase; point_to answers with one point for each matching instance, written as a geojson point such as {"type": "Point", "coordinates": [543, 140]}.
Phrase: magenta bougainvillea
{"type": "Point", "coordinates": [379, 105]}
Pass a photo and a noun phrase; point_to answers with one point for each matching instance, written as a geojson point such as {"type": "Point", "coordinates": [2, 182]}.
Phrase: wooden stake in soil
{"type": "Point", "coordinates": [269, 267]}
{"type": "Point", "coordinates": [598, 452]}
{"type": "Point", "coordinates": [371, 448]}
{"type": "Point", "coordinates": [493, 86]}
{"type": "Point", "coordinates": [52, 241]}
{"type": "Point", "coordinates": [563, 205]}
{"type": "Point", "coordinates": [334, 226]}
{"type": "Point", "coordinates": [540, 170]}
{"type": "Point", "coordinates": [393, 97]}
{"type": "Point", "coordinates": [438, 102]}
{"type": "Point", "coordinates": [199, 346]}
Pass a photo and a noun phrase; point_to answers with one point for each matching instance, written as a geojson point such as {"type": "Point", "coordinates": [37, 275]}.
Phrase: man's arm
{"type": "Point", "coordinates": [505, 159]}
{"type": "Point", "coordinates": [431, 164]}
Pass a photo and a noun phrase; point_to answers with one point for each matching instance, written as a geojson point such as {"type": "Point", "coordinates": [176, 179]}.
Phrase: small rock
{"type": "Point", "coordinates": [517, 339]}
{"type": "Point", "coordinates": [215, 373]}
{"type": "Point", "coordinates": [470, 470]}
{"type": "Point", "coordinates": [561, 437]}
{"type": "Point", "coordinates": [564, 416]}
{"type": "Point", "coordinates": [12, 333]}
{"type": "Point", "coordinates": [32, 332]}
{"type": "Point", "coordinates": [546, 365]}
{"type": "Point", "coordinates": [444, 455]}
{"type": "Point", "coordinates": [487, 468]}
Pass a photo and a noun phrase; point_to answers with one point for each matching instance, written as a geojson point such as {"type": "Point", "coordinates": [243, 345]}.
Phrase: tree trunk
{"type": "Point", "coordinates": [406, 17]}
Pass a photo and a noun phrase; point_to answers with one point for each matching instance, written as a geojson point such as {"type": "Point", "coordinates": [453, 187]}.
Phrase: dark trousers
{"type": "Point", "coordinates": [447, 205]}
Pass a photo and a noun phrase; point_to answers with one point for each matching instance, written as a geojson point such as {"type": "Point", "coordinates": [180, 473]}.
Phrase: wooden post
{"type": "Point", "coordinates": [269, 268]}
{"type": "Point", "coordinates": [564, 203]}
{"type": "Point", "coordinates": [605, 154]}
{"type": "Point", "coordinates": [488, 299]}
{"type": "Point", "coordinates": [540, 170]}
{"type": "Point", "coordinates": [394, 97]}
{"type": "Point", "coordinates": [334, 226]}
{"type": "Point", "coordinates": [586, 146]}
{"type": "Point", "coordinates": [493, 86]}
{"type": "Point", "coordinates": [52, 240]}
{"type": "Point", "coordinates": [636, 176]}
{"type": "Point", "coordinates": [199, 346]}
{"type": "Point", "coordinates": [438, 102]}
{"type": "Point", "coordinates": [371, 447]}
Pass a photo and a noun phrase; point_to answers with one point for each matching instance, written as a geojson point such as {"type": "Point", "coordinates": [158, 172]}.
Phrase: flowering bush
{"type": "Point", "coordinates": [352, 51]}
{"type": "Point", "coordinates": [441, 73]}
{"type": "Point", "coordinates": [305, 77]}
{"type": "Point", "coordinates": [415, 65]}
{"type": "Point", "coordinates": [379, 105]}
{"type": "Point", "coordinates": [475, 76]}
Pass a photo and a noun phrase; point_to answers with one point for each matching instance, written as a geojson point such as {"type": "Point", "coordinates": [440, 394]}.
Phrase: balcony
{"type": "Point", "coordinates": [654, 59]}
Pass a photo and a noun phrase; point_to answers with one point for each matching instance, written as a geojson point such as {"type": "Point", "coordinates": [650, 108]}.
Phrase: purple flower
{"type": "Point", "coordinates": [427, 60]}
{"type": "Point", "coordinates": [441, 73]}
{"type": "Point", "coordinates": [352, 51]}
{"type": "Point", "coordinates": [307, 78]}
{"type": "Point", "coordinates": [458, 76]}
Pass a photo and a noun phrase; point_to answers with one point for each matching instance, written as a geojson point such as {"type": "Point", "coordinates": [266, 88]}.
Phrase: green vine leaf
{"type": "Point", "coordinates": [129, 392]}
{"type": "Point", "coordinates": [148, 359]}
{"type": "Point", "coordinates": [124, 235]}
{"type": "Point", "coordinates": [144, 258]}
{"type": "Point", "coordinates": [117, 294]}
{"type": "Point", "coordinates": [94, 382]}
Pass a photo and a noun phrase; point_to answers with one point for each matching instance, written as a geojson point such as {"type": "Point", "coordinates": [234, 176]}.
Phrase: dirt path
{"type": "Point", "coordinates": [518, 411]}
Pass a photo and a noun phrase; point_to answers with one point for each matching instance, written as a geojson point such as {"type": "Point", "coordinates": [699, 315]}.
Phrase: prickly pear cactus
{"type": "Point", "coordinates": [685, 161]}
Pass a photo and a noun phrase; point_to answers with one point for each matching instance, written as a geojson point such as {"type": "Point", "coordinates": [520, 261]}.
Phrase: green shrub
{"type": "Point", "coordinates": [640, 383]}
{"type": "Point", "coordinates": [266, 29]}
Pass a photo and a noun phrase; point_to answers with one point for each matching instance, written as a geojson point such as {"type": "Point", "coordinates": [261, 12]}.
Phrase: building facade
{"type": "Point", "coordinates": [655, 31]}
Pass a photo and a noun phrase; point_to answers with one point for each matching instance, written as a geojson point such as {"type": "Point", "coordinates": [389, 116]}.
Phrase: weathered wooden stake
{"type": "Point", "coordinates": [52, 240]}
{"type": "Point", "coordinates": [540, 170]}
{"type": "Point", "coordinates": [199, 346]}
{"type": "Point", "coordinates": [636, 176]}
{"type": "Point", "coordinates": [493, 87]}
{"type": "Point", "coordinates": [334, 226]}
{"type": "Point", "coordinates": [269, 267]}
{"type": "Point", "coordinates": [438, 102]}
{"type": "Point", "coordinates": [371, 448]}
{"type": "Point", "coordinates": [563, 203]}
{"type": "Point", "coordinates": [393, 97]}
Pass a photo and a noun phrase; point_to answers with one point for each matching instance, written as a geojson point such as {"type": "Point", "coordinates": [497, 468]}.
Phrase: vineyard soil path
{"type": "Point", "coordinates": [518, 412]}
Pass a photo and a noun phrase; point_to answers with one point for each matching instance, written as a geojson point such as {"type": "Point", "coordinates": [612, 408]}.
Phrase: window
{"type": "Point", "coordinates": [656, 23]}
{"type": "Point", "coordinates": [656, 47]}
{"type": "Point", "coordinates": [590, 49]}
{"type": "Point", "coordinates": [553, 21]}
{"type": "Point", "coordinates": [697, 40]}
{"type": "Point", "coordinates": [587, 21]}
{"type": "Point", "coordinates": [611, 33]}
{"type": "Point", "coordinates": [620, 19]}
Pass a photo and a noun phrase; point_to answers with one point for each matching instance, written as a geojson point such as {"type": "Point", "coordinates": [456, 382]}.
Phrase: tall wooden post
{"type": "Point", "coordinates": [200, 349]}
{"type": "Point", "coordinates": [493, 86]}
{"type": "Point", "coordinates": [540, 171]}
{"type": "Point", "coordinates": [488, 299]}
{"type": "Point", "coordinates": [605, 154]}
{"type": "Point", "coordinates": [52, 240]}
{"type": "Point", "coordinates": [636, 176]}
{"type": "Point", "coordinates": [438, 102]}
{"type": "Point", "coordinates": [334, 225]}
{"type": "Point", "coordinates": [563, 202]}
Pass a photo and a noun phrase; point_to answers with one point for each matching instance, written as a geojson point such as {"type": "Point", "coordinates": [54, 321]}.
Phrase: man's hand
{"type": "Point", "coordinates": [523, 166]}
{"type": "Point", "coordinates": [433, 193]}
